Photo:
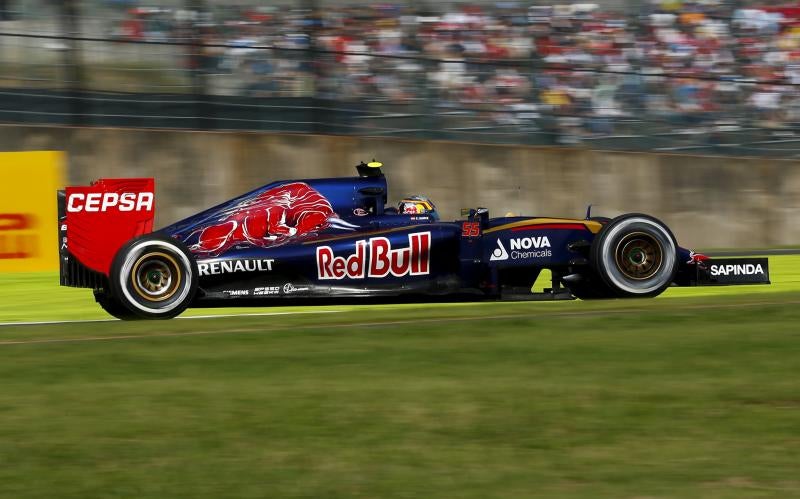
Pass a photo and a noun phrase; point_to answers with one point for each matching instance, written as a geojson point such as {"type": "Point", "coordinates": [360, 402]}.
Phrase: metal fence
{"type": "Point", "coordinates": [511, 74]}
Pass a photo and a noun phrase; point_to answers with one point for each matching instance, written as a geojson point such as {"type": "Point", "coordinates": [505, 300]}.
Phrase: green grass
{"type": "Point", "coordinates": [684, 396]}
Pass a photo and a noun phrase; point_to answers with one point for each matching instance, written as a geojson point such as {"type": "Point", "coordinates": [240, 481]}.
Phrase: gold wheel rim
{"type": "Point", "coordinates": [156, 276]}
{"type": "Point", "coordinates": [639, 256]}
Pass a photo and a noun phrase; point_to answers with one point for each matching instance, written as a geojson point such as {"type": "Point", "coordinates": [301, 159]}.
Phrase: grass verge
{"type": "Point", "coordinates": [688, 397]}
{"type": "Point", "coordinates": [691, 395]}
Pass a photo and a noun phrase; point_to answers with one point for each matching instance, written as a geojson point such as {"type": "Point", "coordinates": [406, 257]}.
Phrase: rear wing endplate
{"type": "Point", "coordinates": [96, 221]}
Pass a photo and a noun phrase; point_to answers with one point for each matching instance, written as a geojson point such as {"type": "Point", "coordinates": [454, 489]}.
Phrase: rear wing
{"type": "Point", "coordinates": [94, 222]}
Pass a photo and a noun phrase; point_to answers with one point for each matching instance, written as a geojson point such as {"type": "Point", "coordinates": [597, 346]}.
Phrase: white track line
{"type": "Point", "coordinates": [48, 323]}
{"type": "Point", "coordinates": [210, 316]}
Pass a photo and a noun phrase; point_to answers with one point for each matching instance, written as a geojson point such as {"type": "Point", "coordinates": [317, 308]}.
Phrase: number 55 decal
{"type": "Point", "coordinates": [471, 229]}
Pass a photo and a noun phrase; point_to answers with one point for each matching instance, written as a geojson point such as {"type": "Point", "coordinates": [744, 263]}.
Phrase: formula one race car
{"type": "Point", "coordinates": [336, 239]}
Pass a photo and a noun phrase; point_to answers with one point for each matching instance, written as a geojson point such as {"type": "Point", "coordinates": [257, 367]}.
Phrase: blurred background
{"type": "Point", "coordinates": [703, 76]}
{"type": "Point", "coordinates": [711, 81]}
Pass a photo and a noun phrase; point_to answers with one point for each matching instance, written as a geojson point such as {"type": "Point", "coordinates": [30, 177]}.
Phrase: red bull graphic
{"type": "Point", "coordinates": [697, 258]}
{"type": "Point", "coordinates": [271, 218]}
{"type": "Point", "coordinates": [377, 258]}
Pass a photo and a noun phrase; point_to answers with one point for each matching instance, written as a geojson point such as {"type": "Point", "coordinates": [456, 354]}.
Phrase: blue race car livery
{"type": "Point", "coordinates": [332, 239]}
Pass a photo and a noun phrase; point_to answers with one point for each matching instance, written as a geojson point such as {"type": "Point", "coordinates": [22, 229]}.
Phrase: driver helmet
{"type": "Point", "coordinates": [417, 205]}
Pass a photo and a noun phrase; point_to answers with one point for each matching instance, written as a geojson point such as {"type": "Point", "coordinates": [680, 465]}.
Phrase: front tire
{"type": "Point", "coordinates": [153, 277]}
{"type": "Point", "coordinates": [591, 288]}
{"type": "Point", "coordinates": [635, 255]}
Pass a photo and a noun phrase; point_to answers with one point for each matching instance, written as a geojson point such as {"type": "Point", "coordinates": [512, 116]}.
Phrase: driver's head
{"type": "Point", "coordinates": [417, 205]}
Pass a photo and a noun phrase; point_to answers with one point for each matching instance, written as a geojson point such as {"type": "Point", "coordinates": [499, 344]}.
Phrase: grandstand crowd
{"type": "Point", "coordinates": [577, 70]}
{"type": "Point", "coordinates": [687, 63]}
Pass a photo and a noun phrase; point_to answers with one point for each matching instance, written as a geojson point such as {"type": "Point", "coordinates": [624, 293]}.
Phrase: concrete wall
{"type": "Point", "coordinates": [708, 201]}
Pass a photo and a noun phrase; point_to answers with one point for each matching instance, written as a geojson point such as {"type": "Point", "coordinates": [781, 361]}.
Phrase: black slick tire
{"type": "Point", "coordinates": [635, 255]}
{"type": "Point", "coordinates": [152, 277]}
{"type": "Point", "coordinates": [591, 289]}
{"type": "Point", "coordinates": [112, 306]}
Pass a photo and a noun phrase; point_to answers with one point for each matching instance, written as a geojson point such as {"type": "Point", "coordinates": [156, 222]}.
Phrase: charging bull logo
{"type": "Point", "coordinates": [271, 218]}
{"type": "Point", "coordinates": [377, 258]}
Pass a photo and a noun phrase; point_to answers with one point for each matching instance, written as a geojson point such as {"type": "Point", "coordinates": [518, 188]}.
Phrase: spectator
{"type": "Point", "coordinates": [677, 64]}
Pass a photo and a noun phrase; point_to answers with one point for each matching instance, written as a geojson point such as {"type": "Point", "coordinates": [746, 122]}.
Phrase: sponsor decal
{"type": "Point", "coordinates": [266, 290]}
{"type": "Point", "coordinates": [237, 292]}
{"type": "Point", "coordinates": [17, 239]}
{"type": "Point", "coordinates": [376, 258]}
{"type": "Point", "coordinates": [104, 201]}
{"type": "Point", "coordinates": [62, 234]}
{"type": "Point", "coordinates": [232, 266]}
{"type": "Point", "coordinates": [523, 248]}
{"type": "Point", "coordinates": [360, 212]}
{"type": "Point", "coordinates": [28, 222]}
{"type": "Point", "coordinates": [735, 270]}
{"type": "Point", "coordinates": [499, 252]}
{"type": "Point", "coordinates": [530, 242]}
{"type": "Point", "coordinates": [696, 257]}
{"type": "Point", "coordinates": [290, 288]}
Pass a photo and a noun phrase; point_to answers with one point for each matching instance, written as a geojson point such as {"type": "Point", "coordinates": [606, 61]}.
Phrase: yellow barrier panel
{"type": "Point", "coordinates": [28, 210]}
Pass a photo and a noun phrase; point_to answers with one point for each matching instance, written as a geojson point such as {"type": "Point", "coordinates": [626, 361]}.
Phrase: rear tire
{"type": "Point", "coordinates": [635, 255]}
{"type": "Point", "coordinates": [152, 277]}
{"type": "Point", "coordinates": [112, 306]}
